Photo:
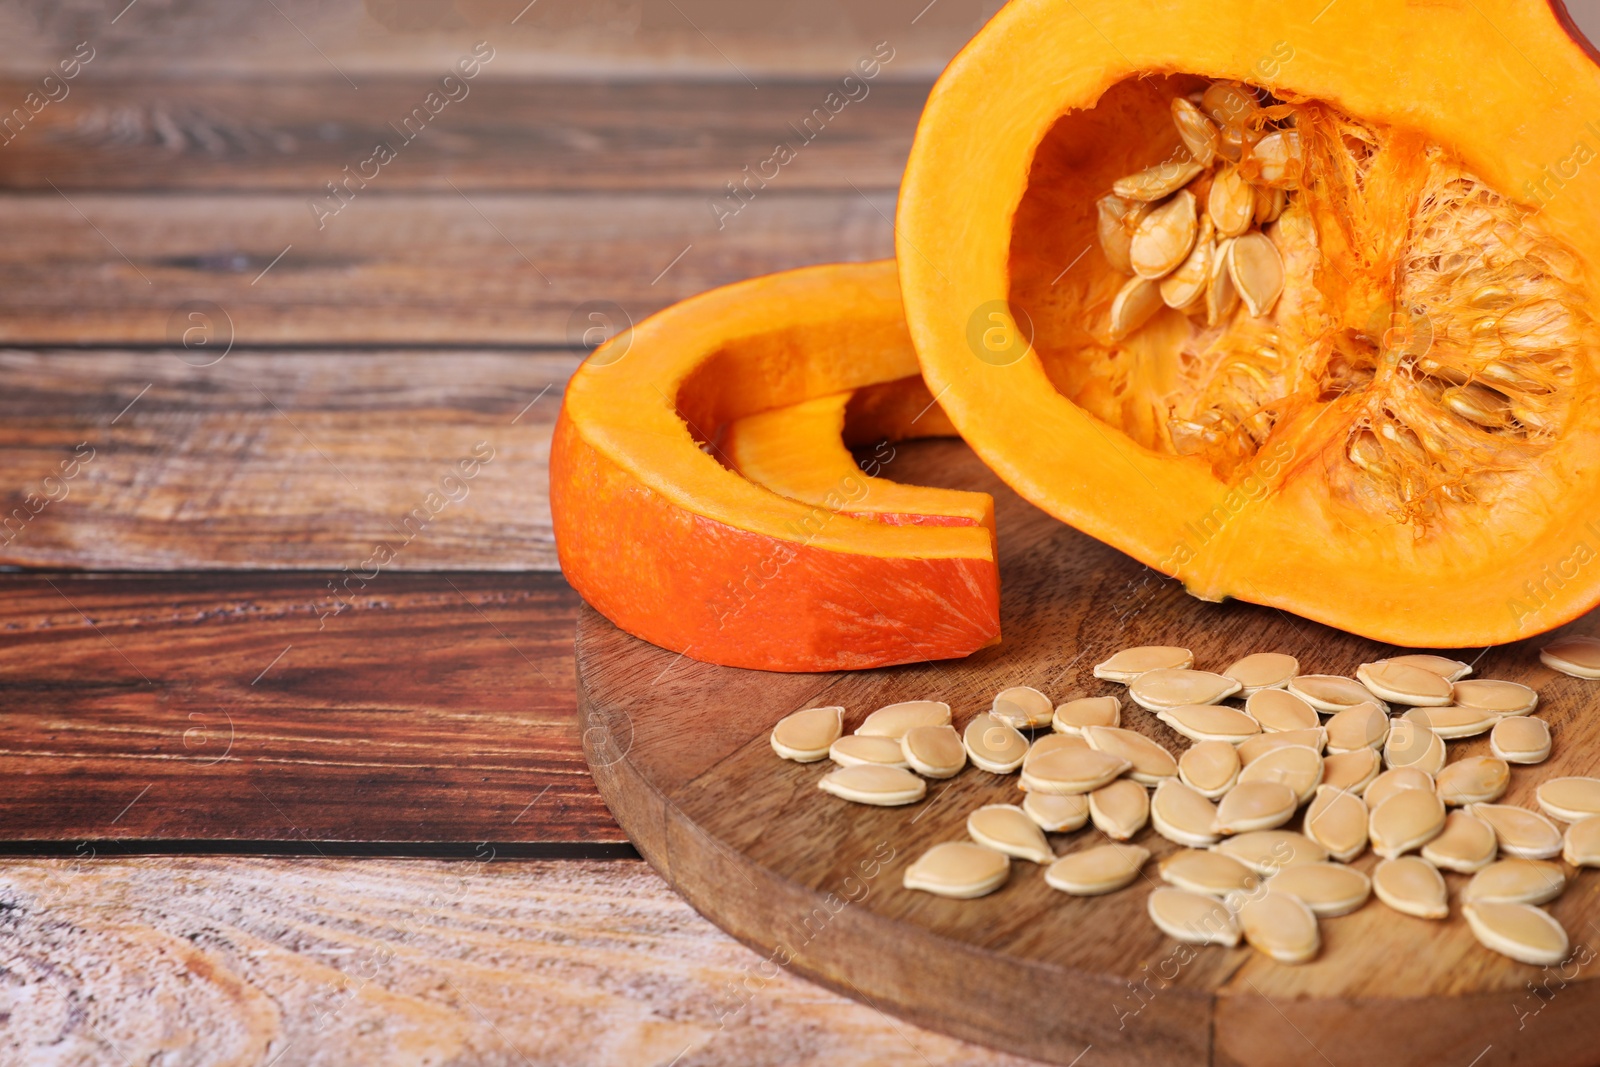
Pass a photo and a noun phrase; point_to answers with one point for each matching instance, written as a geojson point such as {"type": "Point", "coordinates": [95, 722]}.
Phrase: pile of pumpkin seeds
{"type": "Point", "coordinates": [1327, 749]}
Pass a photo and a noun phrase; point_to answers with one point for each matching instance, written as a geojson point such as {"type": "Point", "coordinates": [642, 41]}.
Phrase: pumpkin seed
{"type": "Point", "coordinates": [1166, 688]}
{"type": "Point", "coordinates": [1256, 268]}
{"type": "Point", "coordinates": [1256, 747]}
{"type": "Point", "coordinates": [1296, 766]}
{"type": "Point", "coordinates": [1149, 762]}
{"type": "Point", "coordinates": [1209, 768]}
{"type": "Point", "coordinates": [1262, 671]}
{"type": "Point", "coordinates": [1328, 889]}
{"type": "Point", "coordinates": [1074, 715]}
{"type": "Point", "coordinates": [1116, 219]}
{"type": "Point", "coordinates": [1269, 204]}
{"type": "Point", "coordinates": [1120, 810]}
{"type": "Point", "coordinates": [1181, 814]}
{"type": "Point", "coordinates": [1022, 708]}
{"type": "Point", "coordinates": [805, 736]}
{"type": "Point", "coordinates": [1337, 821]}
{"type": "Point", "coordinates": [1520, 739]}
{"type": "Point", "coordinates": [1329, 693]}
{"type": "Point", "coordinates": [1093, 871]}
{"type": "Point", "coordinates": [1516, 881]}
{"type": "Point", "coordinates": [1473, 780]}
{"type": "Point", "coordinates": [1279, 925]}
{"type": "Point", "coordinates": [1158, 181]}
{"type": "Point", "coordinates": [994, 746]}
{"type": "Point", "coordinates": [893, 720]}
{"type": "Point", "coordinates": [1056, 812]}
{"type": "Point", "coordinates": [1351, 771]}
{"type": "Point", "coordinates": [1392, 781]}
{"type": "Point", "coordinates": [1231, 202]}
{"type": "Point", "coordinates": [1187, 284]}
{"type": "Point", "coordinates": [1412, 886]}
{"type": "Point", "coordinates": [1581, 847]}
{"type": "Point", "coordinates": [1521, 931]}
{"type": "Point", "coordinates": [1449, 669]}
{"type": "Point", "coordinates": [958, 869]}
{"type": "Point", "coordinates": [1050, 743]}
{"type": "Point", "coordinates": [1575, 655]}
{"type": "Point", "coordinates": [1453, 722]}
{"type": "Point", "coordinates": [1278, 710]}
{"type": "Point", "coordinates": [1255, 806]}
{"type": "Point", "coordinates": [934, 751]}
{"type": "Point", "coordinates": [1489, 694]}
{"type": "Point", "coordinates": [1268, 851]}
{"type": "Point", "coordinates": [1129, 663]}
{"type": "Point", "coordinates": [1072, 770]}
{"type": "Point", "coordinates": [1410, 744]}
{"type": "Point", "coordinates": [1221, 296]}
{"type": "Point", "coordinates": [1208, 722]}
{"type": "Point", "coordinates": [1198, 133]}
{"type": "Point", "coordinates": [1007, 828]}
{"type": "Point", "coordinates": [1522, 833]}
{"type": "Point", "coordinates": [1404, 684]}
{"type": "Point", "coordinates": [1193, 918]}
{"type": "Point", "coordinates": [1407, 820]}
{"type": "Point", "coordinates": [854, 750]}
{"type": "Point", "coordinates": [880, 786]}
{"type": "Point", "coordinates": [1164, 237]}
{"type": "Point", "coordinates": [1364, 726]}
{"type": "Point", "coordinates": [1466, 844]}
{"type": "Point", "coordinates": [1570, 799]}
{"type": "Point", "coordinates": [1208, 872]}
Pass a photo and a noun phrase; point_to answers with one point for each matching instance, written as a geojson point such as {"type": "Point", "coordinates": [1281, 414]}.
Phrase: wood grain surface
{"type": "Point", "coordinates": [680, 751]}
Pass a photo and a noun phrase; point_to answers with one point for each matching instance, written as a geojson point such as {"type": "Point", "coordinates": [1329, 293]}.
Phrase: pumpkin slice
{"type": "Point", "coordinates": [1380, 405]}
{"type": "Point", "coordinates": [677, 548]}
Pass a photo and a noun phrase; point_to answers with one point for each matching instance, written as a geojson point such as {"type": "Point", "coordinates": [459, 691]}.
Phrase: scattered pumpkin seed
{"type": "Point", "coordinates": [1411, 744]}
{"type": "Point", "coordinates": [1279, 925]}
{"type": "Point", "coordinates": [1473, 780]}
{"type": "Point", "coordinates": [1198, 133]}
{"type": "Point", "coordinates": [1337, 820]}
{"type": "Point", "coordinates": [1209, 768]}
{"type": "Point", "coordinates": [1255, 806]}
{"type": "Point", "coordinates": [1329, 693]}
{"type": "Point", "coordinates": [1392, 781]}
{"type": "Point", "coordinates": [1412, 886]}
{"type": "Point", "coordinates": [934, 751]}
{"type": "Point", "coordinates": [1193, 918]}
{"type": "Point", "coordinates": [1007, 828]}
{"type": "Point", "coordinates": [1521, 832]}
{"type": "Point", "coordinates": [1129, 663]}
{"type": "Point", "coordinates": [1569, 799]}
{"type": "Point", "coordinates": [1149, 761]}
{"type": "Point", "coordinates": [1576, 655]}
{"type": "Point", "coordinates": [1057, 812]}
{"type": "Point", "coordinates": [1521, 931]}
{"type": "Point", "coordinates": [1258, 746]}
{"type": "Point", "coordinates": [1517, 881]}
{"type": "Point", "coordinates": [1231, 202]}
{"type": "Point", "coordinates": [880, 786]}
{"type": "Point", "coordinates": [1051, 743]}
{"type": "Point", "coordinates": [1120, 810]}
{"type": "Point", "coordinates": [856, 750]}
{"type": "Point", "coordinates": [1181, 814]}
{"type": "Point", "coordinates": [1407, 820]}
{"type": "Point", "coordinates": [1158, 181]}
{"type": "Point", "coordinates": [1466, 844]}
{"type": "Point", "coordinates": [1449, 669]}
{"type": "Point", "coordinates": [1165, 688]}
{"type": "Point", "coordinates": [1209, 722]}
{"type": "Point", "coordinates": [805, 736]}
{"type": "Point", "coordinates": [1074, 715]}
{"type": "Point", "coordinates": [1453, 722]}
{"type": "Point", "coordinates": [1096, 870]}
{"type": "Point", "coordinates": [1209, 872]}
{"type": "Point", "coordinates": [1581, 846]}
{"type": "Point", "coordinates": [1268, 851]}
{"type": "Point", "coordinates": [1490, 694]}
{"type": "Point", "coordinates": [1278, 710]}
{"type": "Point", "coordinates": [893, 720]}
{"type": "Point", "coordinates": [1521, 739]}
{"type": "Point", "coordinates": [958, 869]}
{"type": "Point", "coordinates": [1022, 707]}
{"type": "Point", "coordinates": [1404, 684]}
{"type": "Point", "coordinates": [994, 746]}
{"type": "Point", "coordinates": [1256, 267]}
{"type": "Point", "coordinates": [1351, 771]}
{"type": "Point", "coordinates": [1296, 766]}
{"type": "Point", "coordinates": [1261, 671]}
{"type": "Point", "coordinates": [1328, 889]}
{"type": "Point", "coordinates": [1163, 238]}
{"type": "Point", "coordinates": [1363, 726]}
{"type": "Point", "coordinates": [1072, 770]}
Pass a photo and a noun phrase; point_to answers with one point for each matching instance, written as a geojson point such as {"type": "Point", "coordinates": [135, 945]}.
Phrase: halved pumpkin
{"type": "Point", "coordinates": [657, 531]}
{"type": "Point", "coordinates": [1397, 431]}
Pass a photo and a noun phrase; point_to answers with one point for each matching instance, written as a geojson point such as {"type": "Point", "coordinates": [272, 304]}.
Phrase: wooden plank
{"type": "Point", "coordinates": [431, 708]}
{"type": "Point", "coordinates": [295, 135]}
{"type": "Point", "coordinates": [278, 459]}
{"type": "Point", "coordinates": [493, 961]}
{"type": "Point", "coordinates": [412, 269]}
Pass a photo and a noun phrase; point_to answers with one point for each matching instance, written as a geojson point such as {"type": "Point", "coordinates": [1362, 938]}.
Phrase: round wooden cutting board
{"type": "Point", "coordinates": [679, 749]}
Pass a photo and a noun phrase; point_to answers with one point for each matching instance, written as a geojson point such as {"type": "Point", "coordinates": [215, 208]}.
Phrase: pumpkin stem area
{"type": "Point", "coordinates": [1250, 269]}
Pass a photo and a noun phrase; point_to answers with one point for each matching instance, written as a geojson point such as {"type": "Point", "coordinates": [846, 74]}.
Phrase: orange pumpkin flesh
{"type": "Point", "coordinates": [678, 549]}
{"type": "Point", "coordinates": [1407, 445]}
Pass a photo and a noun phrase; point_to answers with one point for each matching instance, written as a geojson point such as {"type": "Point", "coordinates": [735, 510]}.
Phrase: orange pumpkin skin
{"type": "Point", "coordinates": [679, 550]}
{"type": "Point", "coordinates": [1011, 134]}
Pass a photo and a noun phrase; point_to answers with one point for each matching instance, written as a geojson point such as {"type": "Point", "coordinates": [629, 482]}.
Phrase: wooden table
{"type": "Point", "coordinates": [266, 801]}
